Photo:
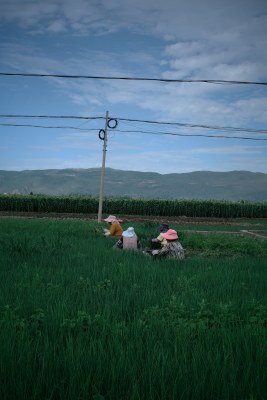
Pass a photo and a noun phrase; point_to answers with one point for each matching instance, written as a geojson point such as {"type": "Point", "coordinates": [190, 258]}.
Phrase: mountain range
{"type": "Point", "coordinates": [233, 185]}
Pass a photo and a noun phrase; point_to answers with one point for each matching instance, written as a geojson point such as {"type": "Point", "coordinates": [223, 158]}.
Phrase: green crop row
{"type": "Point", "coordinates": [82, 321]}
{"type": "Point", "coordinates": [111, 205]}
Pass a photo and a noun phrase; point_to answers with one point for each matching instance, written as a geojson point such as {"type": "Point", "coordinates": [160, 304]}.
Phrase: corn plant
{"type": "Point", "coordinates": [146, 207]}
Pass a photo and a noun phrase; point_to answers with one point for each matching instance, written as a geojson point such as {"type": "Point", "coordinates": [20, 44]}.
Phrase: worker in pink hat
{"type": "Point", "coordinates": [172, 249]}
{"type": "Point", "coordinates": [115, 226]}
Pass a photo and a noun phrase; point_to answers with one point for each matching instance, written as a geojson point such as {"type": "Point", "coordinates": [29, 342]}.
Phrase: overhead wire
{"type": "Point", "coordinates": [49, 127]}
{"type": "Point", "coordinates": [130, 78]}
{"type": "Point", "coordinates": [187, 125]}
{"type": "Point", "coordinates": [174, 124]}
{"type": "Point", "coordinates": [49, 116]}
{"type": "Point", "coordinates": [134, 131]}
{"type": "Point", "coordinates": [191, 135]}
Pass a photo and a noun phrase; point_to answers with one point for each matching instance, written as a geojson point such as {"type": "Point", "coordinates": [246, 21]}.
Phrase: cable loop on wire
{"type": "Point", "coordinates": [101, 134]}
{"type": "Point", "coordinates": [115, 123]}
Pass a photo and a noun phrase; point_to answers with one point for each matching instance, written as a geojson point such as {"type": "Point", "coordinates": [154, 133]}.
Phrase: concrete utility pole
{"type": "Point", "coordinates": [100, 204]}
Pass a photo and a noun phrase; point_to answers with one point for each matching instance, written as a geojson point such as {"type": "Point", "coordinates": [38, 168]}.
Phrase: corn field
{"type": "Point", "coordinates": [146, 207]}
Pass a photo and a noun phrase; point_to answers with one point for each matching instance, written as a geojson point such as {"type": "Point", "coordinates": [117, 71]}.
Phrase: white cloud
{"type": "Point", "coordinates": [227, 150]}
{"type": "Point", "coordinates": [199, 104]}
{"type": "Point", "coordinates": [57, 26]}
{"type": "Point", "coordinates": [185, 19]}
{"type": "Point", "coordinates": [185, 162]}
{"type": "Point", "coordinates": [209, 39]}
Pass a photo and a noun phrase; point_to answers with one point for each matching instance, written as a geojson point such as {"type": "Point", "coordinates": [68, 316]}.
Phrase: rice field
{"type": "Point", "coordinates": [80, 320]}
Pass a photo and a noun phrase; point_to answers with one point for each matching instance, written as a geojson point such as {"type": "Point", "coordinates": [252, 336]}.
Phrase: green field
{"type": "Point", "coordinates": [129, 206]}
{"type": "Point", "coordinates": [80, 320]}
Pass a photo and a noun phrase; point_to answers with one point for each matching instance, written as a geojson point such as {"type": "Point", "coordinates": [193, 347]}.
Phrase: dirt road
{"type": "Point", "coordinates": [137, 218]}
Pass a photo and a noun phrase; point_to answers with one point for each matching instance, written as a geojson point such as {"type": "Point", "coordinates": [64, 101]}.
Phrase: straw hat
{"type": "Point", "coordinates": [112, 219]}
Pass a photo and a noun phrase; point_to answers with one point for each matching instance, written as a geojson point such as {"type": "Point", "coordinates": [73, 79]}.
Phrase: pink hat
{"type": "Point", "coordinates": [112, 219]}
{"type": "Point", "coordinates": [171, 234]}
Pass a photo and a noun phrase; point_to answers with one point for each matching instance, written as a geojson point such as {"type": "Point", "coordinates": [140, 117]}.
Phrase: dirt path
{"type": "Point", "coordinates": [251, 228]}
{"type": "Point", "coordinates": [137, 218]}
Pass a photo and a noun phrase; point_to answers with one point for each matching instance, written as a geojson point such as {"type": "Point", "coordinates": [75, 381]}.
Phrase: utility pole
{"type": "Point", "coordinates": [100, 204]}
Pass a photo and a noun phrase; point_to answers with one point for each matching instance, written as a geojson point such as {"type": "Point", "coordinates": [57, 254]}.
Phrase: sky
{"type": "Point", "coordinates": [163, 39]}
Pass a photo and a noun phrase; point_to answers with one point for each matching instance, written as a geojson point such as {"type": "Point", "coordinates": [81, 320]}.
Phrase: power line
{"type": "Point", "coordinates": [179, 124]}
{"type": "Point", "coordinates": [193, 135]}
{"type": "Point", "coordinates": [213, 81]}
{"type": "Point", "coordinates": [48, 116]}
{"type": "Point", "coordinates": [49, 127]}
{"type": "Point", "coordinates": [186, 125]}
{"type": "Point", "coordinates": [134, 131]}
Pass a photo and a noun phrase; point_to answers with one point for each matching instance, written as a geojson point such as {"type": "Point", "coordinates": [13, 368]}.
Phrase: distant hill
{"type": "Point", "coordinates": [234, 185]}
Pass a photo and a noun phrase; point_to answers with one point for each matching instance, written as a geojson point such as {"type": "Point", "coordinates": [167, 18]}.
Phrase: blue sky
{"type": "Point", "coordinates": [170, 39]}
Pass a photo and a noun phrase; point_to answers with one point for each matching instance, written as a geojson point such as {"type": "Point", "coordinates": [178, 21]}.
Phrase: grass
{"type": "Point", "coordinates": [80, 320]}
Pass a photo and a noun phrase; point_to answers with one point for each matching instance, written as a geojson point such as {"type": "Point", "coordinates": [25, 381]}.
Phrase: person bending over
{"type": "Point", "coordinates": [115, 227]}
{"type": "Point", "coordinates": [159, 241]}
{"type": "Point", "coordinates": [173, 248]}
{"type": "Point", "coordinates": [128, 240]}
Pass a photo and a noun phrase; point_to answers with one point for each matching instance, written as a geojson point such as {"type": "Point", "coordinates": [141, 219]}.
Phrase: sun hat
{"type": "Point", "coordinates": [112, 219]}
{"type": "Point", "coordinates": [171, 234]}
{"type": "Point", "coordinates": [129, 232]}
{"type": "Point", "coordinates": [163, 228]}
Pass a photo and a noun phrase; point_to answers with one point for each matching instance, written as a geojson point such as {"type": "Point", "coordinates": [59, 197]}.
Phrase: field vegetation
{"type": "Point", "coordinates": [121, 205]}
{"type": "Point", "coordinates": [80, 320]}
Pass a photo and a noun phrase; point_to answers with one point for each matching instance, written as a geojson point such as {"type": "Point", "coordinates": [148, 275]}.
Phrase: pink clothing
{"type": "Point", "coordinates": [130, 242]}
